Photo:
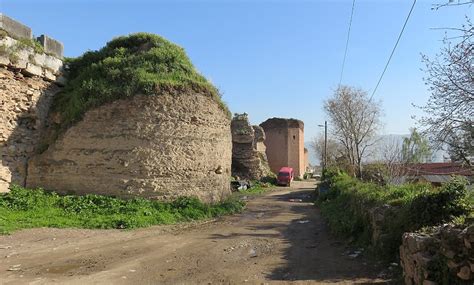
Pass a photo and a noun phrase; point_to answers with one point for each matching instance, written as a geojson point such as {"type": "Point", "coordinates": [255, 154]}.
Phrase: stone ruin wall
{"type": "Point", "coordinates": [442, 252]}
{"type": "Point", "coordinates": [28, 82]}
{"type": "Point", "coordinates": [158, 147]}
{"type": "Point", "coordinates": [445, 253]}
{"type": "Point", "coordinates": [249, 160]}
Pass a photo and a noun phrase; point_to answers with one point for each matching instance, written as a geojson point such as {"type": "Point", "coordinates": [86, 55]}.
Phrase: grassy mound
{"type": "Point", "coordinates": [25, 208]}
{"type": "Point", "coordinates": [140, 63]}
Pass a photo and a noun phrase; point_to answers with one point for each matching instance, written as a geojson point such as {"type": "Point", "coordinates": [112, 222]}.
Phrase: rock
{"type": "Point", "coordinates": [252, 253]}
{"type": "Point", "coordinates": [464, 273]}
{"type": "Point", "coordinates": [467, 243]}
{"type": "Point", "coordinates": [4, 60]}
{"type": "Point", "coordinates": [33, 70]}
{"type": "Point", "coordinates": [48, 75]}
{"type": "Point", "coordinates": [451, 264]}
{"type": "Point", "coordinates": [448, 253]}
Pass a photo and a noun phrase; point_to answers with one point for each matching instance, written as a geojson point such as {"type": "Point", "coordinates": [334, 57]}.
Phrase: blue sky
{"type": "Point", "coordinates": [269, 58]}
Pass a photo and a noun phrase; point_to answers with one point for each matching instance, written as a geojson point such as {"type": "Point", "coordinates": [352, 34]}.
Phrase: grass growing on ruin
{"type": "Point", "coordinates": [140, 63]}
{"type": "Point", "coordinates": [25, 208]}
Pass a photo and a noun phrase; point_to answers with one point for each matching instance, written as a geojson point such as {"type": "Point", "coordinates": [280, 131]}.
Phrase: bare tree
{"type": "Point", "coordinates": [355, 120]}
{"type": "Point", "coordinates": [334, 149]}
{"type": "Point", "coordinates": [391, 156]}
{"type": "Point", "coordinates": [449, 112]}
{"type": "Point", "coordinates": [450, 3]}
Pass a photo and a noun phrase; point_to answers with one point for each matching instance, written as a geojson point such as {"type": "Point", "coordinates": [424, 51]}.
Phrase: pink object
{"type": "Point", "coordinates": [285, 176]}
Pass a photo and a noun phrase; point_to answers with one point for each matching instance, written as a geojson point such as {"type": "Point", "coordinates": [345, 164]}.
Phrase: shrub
{"type": "Point", "coordinates": [405, 208]}
{"type": "Point", "coordinates": [376, 172]}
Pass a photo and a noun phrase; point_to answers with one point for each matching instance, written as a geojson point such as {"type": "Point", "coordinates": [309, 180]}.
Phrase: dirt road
{"type": "Point", "coordinates": [274, 240]}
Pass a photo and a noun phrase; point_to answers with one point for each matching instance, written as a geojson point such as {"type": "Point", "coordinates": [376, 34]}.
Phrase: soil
{"type": "Point", "coordinates": [279, 238]}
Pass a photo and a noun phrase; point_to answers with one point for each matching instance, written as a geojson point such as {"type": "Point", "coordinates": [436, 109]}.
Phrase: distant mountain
{"type": "Point", "coordinates": [376, 150]}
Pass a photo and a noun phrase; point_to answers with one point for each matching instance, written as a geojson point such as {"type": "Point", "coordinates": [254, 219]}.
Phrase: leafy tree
{"type": "Point", "coordinates": [415, 149]}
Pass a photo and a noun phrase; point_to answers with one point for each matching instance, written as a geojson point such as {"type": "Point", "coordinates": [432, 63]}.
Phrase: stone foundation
{"type": "Point", "coordinates": [158, 147]}
{"type": "Point", "coordinates": [445, 254]}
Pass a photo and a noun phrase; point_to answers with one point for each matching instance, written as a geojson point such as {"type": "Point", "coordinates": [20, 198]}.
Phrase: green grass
{"type": "Point", "coordinates": [347, 205]}
{"type": "Point", "coordinates": [139, 63]}
{"type": "Point", "coordinates": [26, 208]}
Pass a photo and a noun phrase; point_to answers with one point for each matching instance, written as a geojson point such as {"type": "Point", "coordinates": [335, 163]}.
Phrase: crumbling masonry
{"type": "Point", "coordinates": [249, 160]}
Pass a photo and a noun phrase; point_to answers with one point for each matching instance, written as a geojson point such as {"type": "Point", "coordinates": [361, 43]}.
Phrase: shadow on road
{"type": "Point", "coordinates": [311, 252]}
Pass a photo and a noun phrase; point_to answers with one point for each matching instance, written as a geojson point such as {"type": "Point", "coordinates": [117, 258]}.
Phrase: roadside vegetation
{"type": "Point", "coordinates": [26, 208]}
{"type": "Point", "coordinates": [403, 208]}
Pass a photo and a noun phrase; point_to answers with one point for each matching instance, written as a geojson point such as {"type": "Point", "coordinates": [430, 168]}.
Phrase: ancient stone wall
{"type": "Point", "coordinates": [285, 144]}
{"type": "Point", "coordinates": [158, 147]}
{"type": "Point", "coordinates": [27, 88]}
{"type": "Point", "coordinates": [249, 160]}
{"type": "Point", "coordinates": [443, 256]}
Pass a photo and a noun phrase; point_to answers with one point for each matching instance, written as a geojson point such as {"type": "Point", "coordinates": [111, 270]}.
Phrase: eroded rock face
{"type": "Point", "coordinates": [24, 106]}
{"type": "Point", "coordinates": [248, 151]}
{"type": "Point", "coordinates": [157, 147]}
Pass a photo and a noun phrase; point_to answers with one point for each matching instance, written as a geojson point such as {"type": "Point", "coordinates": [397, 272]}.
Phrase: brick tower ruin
{"type": "Point", "coordinates": [285, 144]}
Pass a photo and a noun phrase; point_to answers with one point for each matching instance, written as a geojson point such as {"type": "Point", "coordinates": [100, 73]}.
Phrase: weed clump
{"type": "Point", "coordinates": [140, 63]}
{"type": "Point", "coordinates": [26, 208]}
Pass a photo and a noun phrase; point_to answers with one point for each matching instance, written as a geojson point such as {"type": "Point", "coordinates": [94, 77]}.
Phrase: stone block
{"type": "Point", "coordinates": [4, 60]}
{"type": "Point", "coordinates": [52, 63]}
{"type": "Point", "coordinates": [13, 28]}
{"type": "Point", "coordinates": [51, 46]}
{"type": "Point", "coordinates": [33, 70]}
{"type": "Point", "coordinates": [19, 58]}
{"type": "Point", "coordinates": [38, 59]}
{"type": "Point", "coordinates": [48, 75]}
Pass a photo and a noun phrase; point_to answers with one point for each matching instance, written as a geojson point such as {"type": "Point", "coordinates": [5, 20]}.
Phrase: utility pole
{"type": "Point", "coordinates": [325, 144]}
{"type": "Point", "coordinates": [325, 158]}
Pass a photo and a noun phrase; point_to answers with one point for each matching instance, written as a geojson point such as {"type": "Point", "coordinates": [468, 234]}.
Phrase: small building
{"type": "Point", "coordinates": [434, 173]}
{"type": "Point", "coordinates": [285, 144]}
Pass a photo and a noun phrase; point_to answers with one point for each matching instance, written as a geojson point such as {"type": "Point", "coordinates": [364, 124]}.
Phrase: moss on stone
{"type": "Point", "coordinates": [139, 63]}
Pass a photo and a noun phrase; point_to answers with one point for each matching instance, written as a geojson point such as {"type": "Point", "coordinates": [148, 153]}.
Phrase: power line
{"type": "Point", "coordinates": [393, 50]}
{"type": "Point", "coordinates": [347, 43]}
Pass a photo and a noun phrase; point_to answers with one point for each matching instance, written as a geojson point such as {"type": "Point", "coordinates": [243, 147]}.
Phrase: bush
{"type": "Point", "coordinates": [405, 208]}
{"type": "Point", "coordinates": [376, 172]}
